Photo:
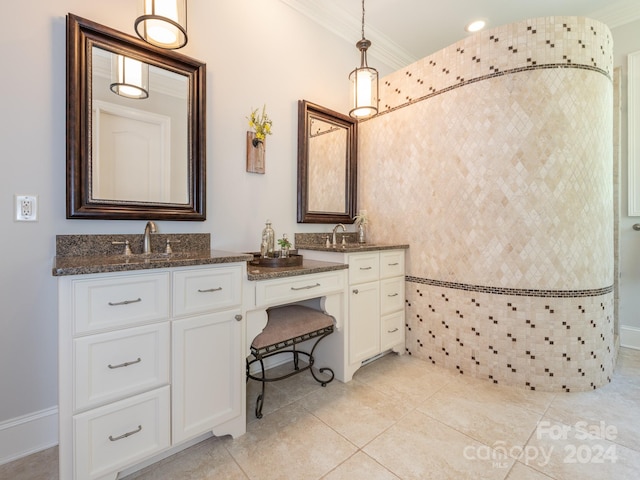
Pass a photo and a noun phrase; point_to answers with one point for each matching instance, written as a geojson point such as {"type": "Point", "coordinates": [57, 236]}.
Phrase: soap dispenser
{"type": "Point", "coordinates": [267, 246]}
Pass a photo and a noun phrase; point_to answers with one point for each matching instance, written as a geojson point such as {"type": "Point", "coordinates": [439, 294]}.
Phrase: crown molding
{"type": "Point", "coordinates": [349, 28]}
{"type": "Point", "coordinates": [618, 14]}
{"type": "Point", "coordinates": [386, 51]}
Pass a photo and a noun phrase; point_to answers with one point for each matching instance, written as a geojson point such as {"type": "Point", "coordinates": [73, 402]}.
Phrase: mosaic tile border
{"type": "Point", "coordinates": [518, 292]}
{"type": "Point", "coordinates": [464, 82]}
{"type": "Point", "coordinates": [537, 43]}
{"type": "Point", "coordinates": [549, 344]}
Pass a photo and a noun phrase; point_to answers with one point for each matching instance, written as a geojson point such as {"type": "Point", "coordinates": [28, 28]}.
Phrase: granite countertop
{"type": "Point", "coordinates": [86, 264]}
{"type": "Point", "coordinates": [308, 266]}
{"type": "Point", "coordinates": [351, 247]}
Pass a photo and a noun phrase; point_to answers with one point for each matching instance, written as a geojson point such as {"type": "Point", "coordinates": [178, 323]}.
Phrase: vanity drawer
{"type": "Point", "coordinates": [392, 330]}
{"type": "Point", "coordinates": [291, 289]}
{"type": "Point", "coordinates": [112, 365]}
{"type": "Point", "coordinates": [201, 290]}
{"type": "Point", "coordinates": [391, 295]}
{"type": "Point", "coordinates": [105, 303]}
{"type": "Point", "coordinates": [110, 438]}
{"type": "Point", "coordinates": [391, 263]}
{"type": "Point", "coordinates": [364, 267]}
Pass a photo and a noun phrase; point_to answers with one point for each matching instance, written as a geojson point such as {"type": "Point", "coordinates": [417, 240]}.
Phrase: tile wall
{"type": "Point", "coordinates": [492, 159]}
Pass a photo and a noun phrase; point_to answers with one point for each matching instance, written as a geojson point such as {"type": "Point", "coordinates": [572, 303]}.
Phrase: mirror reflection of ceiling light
{"type": "Point", "coordinates": [129, 77]}
{"type": "Point", "coordinates": [364, 82]}
{"type": "Point", "coordinates": [475, 26]}
{"type": "Point", "coordinates": [163, 23]}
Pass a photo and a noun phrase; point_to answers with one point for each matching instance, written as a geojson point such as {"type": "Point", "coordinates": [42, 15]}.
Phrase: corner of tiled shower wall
{"type": "Point", "coordinates": [492, 159]}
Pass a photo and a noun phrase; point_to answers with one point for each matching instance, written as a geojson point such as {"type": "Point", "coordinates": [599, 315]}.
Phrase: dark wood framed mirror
{"type": "Point", "coordinates": [133, 155]}
{"type": "Point", "coordinates": [327, 165]}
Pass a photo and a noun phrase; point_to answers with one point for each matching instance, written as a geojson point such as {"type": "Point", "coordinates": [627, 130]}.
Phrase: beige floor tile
{"type": "Point", "coordinates": [523, 472]}
{"type": "Point", "coordinates": [566, 453]}
{"type": "Point", "coordinates": [39, 466]}
{"type": "Point", "coordinates": [291, 443]}
{"type": "Point", "coordinates": [283, 392]}
{"type": "Point", "coordinates": [616, 406]}
{"type": "Point", "coordinates": [354, 410]}
{"type": "Point", "coordinates": [628, 365]}
{"type": "Point", "coordinates": [404, 378]}
{"type": "Point", "coordinates": [484, 413]}
{"type": "Point", "coordinates": [360, 467]}
{"type": "Point", "coordinates": [420, 448]}
{"type": "Point", "coordinates": [534, 400]}
{"type": "Point", "coordinates": [207, 460]}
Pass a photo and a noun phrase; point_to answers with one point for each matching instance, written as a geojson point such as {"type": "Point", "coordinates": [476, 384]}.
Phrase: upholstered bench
{"type": "Point", "coordinates": [286, 327]}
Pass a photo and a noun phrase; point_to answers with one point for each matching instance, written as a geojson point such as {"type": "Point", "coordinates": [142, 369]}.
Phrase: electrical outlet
{"type": "Point", "coordinates": [26, 208]}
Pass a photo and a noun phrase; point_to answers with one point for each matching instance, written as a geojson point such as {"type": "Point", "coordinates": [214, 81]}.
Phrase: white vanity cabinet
{"type": "Point", "coordinates": [147, 360]}
{"type": "Point", "coordinates": [376, 297]}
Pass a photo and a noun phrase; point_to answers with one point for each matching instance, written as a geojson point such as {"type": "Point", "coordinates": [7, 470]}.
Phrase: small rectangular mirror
{"type": "Point", "coordinates": [327, 165]}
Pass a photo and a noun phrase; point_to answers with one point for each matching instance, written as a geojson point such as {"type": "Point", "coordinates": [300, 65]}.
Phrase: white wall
{"type": "Point", "coordinates": [625, 41]}
{"type": "Point", "coordinates": [256, 52]}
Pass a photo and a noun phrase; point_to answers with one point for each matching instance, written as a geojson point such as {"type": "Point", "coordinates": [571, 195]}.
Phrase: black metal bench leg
{"type": "Point", "coordinates": [260, 399]}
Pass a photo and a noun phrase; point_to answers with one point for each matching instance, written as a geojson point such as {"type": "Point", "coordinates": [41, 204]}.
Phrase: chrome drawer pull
{"type": "Point", "coordinates": [393, 264]}
{"type": "Point", "coordinates": [210, 290]}
{"type": "Point", "coordinates": [393, 331]}
{"type": "Point", "coordinates": [125, 302]}
{"type": "Point", "coordinates": [125, 435]}
{"type": "Point", "coordinates": [305, 288]}
{"type": "Point", "coordinates": [125, 364]}
{"type": "Point", "coordinates": [392, 295]}
{"type": "Point", "coordinates": [366, 268]}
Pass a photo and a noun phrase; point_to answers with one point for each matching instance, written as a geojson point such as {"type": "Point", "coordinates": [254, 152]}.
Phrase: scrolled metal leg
{"type": "Point", "coordinates": [260, 399]}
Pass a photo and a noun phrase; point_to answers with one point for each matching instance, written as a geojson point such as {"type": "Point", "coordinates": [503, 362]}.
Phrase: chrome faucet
{"type": "Point", "coordinates": [334, 233]}
{"type": "Point", "coordinates": [148, 230]}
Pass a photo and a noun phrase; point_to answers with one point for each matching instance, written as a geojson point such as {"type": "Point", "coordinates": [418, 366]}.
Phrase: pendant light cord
{"type": "Point", "coordinates": [363, 19]}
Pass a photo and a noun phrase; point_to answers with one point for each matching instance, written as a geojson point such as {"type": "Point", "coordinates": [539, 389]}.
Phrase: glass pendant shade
{"type": "Point", "coordinates": [129, 77]}
{"type": "Point", "coordinates": [163, 23]}
{"type": "Point", "coordinates": [364, 82]}
{"type": "Point", "coordinates": [364, 92]}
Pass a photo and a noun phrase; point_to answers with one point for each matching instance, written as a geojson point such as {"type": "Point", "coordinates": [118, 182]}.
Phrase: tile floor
{"type": "Point", "coordinates": [401, 418]}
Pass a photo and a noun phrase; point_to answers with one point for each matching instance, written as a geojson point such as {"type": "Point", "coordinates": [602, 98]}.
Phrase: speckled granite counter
{"type": "Point", "coordinates": [85, 254]}
{"type": "Point", "coordinates": [82, 265]}
{"type": "Point", "coordinates": [352, 247]}
{"type": "Point", "coordinates": [307, 267]}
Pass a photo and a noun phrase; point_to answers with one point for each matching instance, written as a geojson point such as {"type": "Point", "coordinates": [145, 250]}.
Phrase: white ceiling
{"type": "Point", "coordinates": [403, 31]}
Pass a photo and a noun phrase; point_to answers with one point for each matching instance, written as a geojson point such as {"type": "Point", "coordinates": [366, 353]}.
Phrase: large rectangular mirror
{"type": "Point", "coordinates": [135, 128]}
{"type": "Point", "coordinates": [327, 165]}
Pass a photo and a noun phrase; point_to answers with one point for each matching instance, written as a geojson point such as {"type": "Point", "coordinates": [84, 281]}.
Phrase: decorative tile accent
{"type": "Point", "coordinates": [492, 159]}
{"type": "Point", "coordinates": [539, 343]}
{"type": "Point", "coordinates": [536, 43]}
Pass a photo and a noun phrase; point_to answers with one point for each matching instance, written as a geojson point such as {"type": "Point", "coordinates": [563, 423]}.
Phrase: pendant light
{"type": "Point", "coordinates": [129, 77]}
{"type": "Point", "coordinates": [364, 82]}
{"type": "Point", "coordinates": [163, 23]}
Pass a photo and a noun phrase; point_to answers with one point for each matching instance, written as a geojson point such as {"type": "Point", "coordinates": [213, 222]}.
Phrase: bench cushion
{"type": "Point", "coordinates": [290, 322]}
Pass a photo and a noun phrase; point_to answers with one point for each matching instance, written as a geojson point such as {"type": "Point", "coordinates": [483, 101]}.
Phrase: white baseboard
{"type": "Point", "coordinates": [630, 337]}
{"type": "Point", "coordinates": [28, 434]}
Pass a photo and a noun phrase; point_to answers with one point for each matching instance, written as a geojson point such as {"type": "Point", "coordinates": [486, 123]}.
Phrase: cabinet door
{"type": "Point", "coordinates": [207, 372]}
{"type": "Point", "coordinates": [364, 321]}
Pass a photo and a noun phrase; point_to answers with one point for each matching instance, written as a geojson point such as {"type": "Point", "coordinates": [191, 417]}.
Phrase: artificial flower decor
{"type": "Point", "coordinates": [261, 125]}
